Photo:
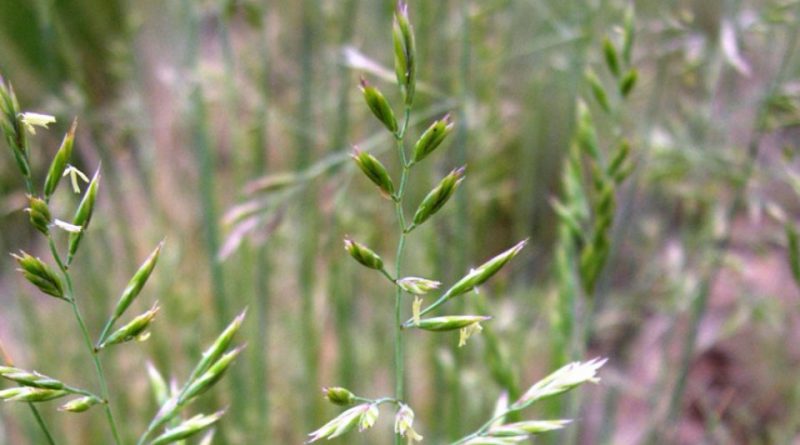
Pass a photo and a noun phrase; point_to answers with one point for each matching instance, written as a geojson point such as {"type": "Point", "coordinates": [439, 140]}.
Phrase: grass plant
{"type": "Point", "coordinates": [366, 410]}
{"type": "Point", "coordinates": [33, 387]}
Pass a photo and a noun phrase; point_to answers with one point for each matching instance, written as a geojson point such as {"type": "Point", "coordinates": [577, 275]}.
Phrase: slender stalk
{"type": "Point", "coordinates": [308, 241]}
{"type": "Point", "coordinates": [42, 425]}
{"type": "Point", "coordinates": [98, 367]}
{"type": "Point", "coordinates": [399, 346]}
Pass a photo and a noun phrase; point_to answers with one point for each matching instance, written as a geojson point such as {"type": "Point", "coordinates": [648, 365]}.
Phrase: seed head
{"type": "Point", "coordinates": [379, 105]}
{"type": "Point", "coordinates": [417, 286]}
{"type": "Point", "coordinates": [40, 275]}
{"type": "Point", "coordinates": [375, 171]}
{"type": "Point", "coordinates": [60, 161]}
{"type": "Point", "coordinates": [363, 254]}
{"type": "Point", "coordinates": [80, 404]}
{"type": "Point", "coordinates": [39, 213]}
{"type": "Point", "coordinates": [432, 138]}
{"type": "Point", "coordinates": [438, 197]}
{"type": "Point", "coordinates": [478, 276]}
{"type": "Point", "coordinates": [339, 396]}
{"type": "Point", "coordinates": [449, 322]}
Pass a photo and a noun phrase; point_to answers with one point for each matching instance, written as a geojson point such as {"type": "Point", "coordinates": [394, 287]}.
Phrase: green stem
{"type": "Point", "coordinates": [98, 367]}
{"type": "Point", "coordinates": [41, 424]}
{"type": "Point", "coordinates": [399, 365]}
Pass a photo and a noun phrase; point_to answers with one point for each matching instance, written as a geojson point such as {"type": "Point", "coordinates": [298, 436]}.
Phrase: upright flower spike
{"type": "Point", "coordinates": [405, 64]}
{"type": "Point", "coordinates": [375, 171]}
{"type": "Point", "coordinates": [379, 105]}
{"type": "Point", "coordinates": [432, 138]}
{"type": "Point", "coordinates": [60, 161]}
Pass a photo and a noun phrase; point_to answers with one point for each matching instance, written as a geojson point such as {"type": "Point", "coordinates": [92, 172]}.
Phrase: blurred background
{"type": "Point", "coordinates": [226, 127]}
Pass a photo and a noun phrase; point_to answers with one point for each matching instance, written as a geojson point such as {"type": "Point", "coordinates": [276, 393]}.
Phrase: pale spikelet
{"type": "Point", "coordinates": [528, 427]}
{"type": "Point", "coordinates": [404, 422]}
{"type": "Point", "coordinates": [32, 120]}
{"type": "Point", "coordinates": [158, 384]}
{"type": "Point", "coordinates": [27, 378]}
{"type": "Point", "coordinates": [562, 380]}
{"type": "Point", "coordinates": [188, 428]}
{"type": "Point", "coordinates": [417, 286]}
{"type": "Point", "coordinates": [80, 404]}
{"type": "Point", "coordinates": [29, 394]}
{"type": "Point", "coordinates": [449, 322]}
{"type": "Point", "coordinates": [341, 424]}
